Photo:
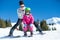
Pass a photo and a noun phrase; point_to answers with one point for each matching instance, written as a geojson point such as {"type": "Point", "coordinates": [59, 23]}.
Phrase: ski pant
{"type": "Point", "coordinates": [37, 26]}
{"type": "Point", "coordinates": [15, 26]}
{"type": "Point", "coordinates": [28, 27]}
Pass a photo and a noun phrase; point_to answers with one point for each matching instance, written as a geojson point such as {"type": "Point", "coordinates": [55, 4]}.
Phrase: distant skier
{"type": "Point", "coordinates": [28, 21]}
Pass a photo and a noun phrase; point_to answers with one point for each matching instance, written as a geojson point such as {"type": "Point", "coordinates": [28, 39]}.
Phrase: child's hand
{"type": "Point", "coordinates": [31, 24]}
{"type": "Point", "coordinates": [25, 25]}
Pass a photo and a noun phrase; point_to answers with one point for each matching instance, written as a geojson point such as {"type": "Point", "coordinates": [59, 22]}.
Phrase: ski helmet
{"type": "Point", "coordinates": [27, 9]}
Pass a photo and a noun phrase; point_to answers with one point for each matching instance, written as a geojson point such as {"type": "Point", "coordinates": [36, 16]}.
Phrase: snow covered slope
{"type": "Point", "coordinates": [49, 35]}
{"type": "Point", "coordinates": [53, 20]}
{"type": "Point", "coordinates": [56, 22]}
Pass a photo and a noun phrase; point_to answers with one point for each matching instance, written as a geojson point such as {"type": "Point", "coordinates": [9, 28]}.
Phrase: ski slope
{"type": "Point", "coordinates": [49, 35]}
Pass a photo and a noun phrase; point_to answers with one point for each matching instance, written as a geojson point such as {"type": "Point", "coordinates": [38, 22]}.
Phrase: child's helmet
{"type": "Point", "coordinates": [27, 9]}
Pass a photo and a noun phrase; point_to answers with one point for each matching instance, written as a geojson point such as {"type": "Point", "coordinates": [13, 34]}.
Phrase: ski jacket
{"type": "Point", "coordinates": [28, 19]}
{"type": "Point", "coordinates": [20, 13]}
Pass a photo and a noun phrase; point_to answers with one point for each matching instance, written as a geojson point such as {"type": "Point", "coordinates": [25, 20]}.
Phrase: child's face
{"type": "Point", "coordinates": [27, 12]}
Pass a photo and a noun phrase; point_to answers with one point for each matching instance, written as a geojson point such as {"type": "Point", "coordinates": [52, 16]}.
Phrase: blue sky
{"type": "Point", "coordinates": [40, 9]}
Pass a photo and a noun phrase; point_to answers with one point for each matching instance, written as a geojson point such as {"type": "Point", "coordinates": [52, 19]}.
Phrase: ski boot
{"type": "Point", "coordinates": [25, 34]}
{"type": "Point", "coordinates": [31, 34]}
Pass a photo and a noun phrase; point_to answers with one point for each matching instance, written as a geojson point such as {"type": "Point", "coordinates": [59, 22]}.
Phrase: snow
{"type": "Point", "coordinates": [13, 23]}
{"type": "Point", "coordinates": [57, 26]}
{"type": "Point", "coordinates": [53, 20]}
{"type": "Point", "coordinates": [49, 35]}
{"type": "Point", "coordinates": [56, 22]}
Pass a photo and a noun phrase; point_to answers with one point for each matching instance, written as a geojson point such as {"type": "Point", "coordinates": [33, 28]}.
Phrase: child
{"type": "Point", "coordinates": [28, 21]}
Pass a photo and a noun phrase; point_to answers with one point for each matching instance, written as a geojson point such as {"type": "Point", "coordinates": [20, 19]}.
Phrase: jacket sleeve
{"type": "Point", "coordinates": [32, 19]}
{"type": "Point", "coordinates": [20, 13]}
{"type": "Point", "coordinates": [24, 19]}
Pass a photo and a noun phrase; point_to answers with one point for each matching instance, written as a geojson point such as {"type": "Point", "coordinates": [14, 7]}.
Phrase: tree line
{"type": "Point", "coordinates": [5, 23]}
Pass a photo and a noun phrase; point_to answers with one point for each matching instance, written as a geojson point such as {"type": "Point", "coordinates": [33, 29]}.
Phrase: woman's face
{"type": "Point", "coordinates": [22, 6]}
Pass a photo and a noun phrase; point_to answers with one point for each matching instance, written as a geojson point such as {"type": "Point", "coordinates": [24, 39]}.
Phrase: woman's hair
{"type": "Point", "coordinates": [21, 2]}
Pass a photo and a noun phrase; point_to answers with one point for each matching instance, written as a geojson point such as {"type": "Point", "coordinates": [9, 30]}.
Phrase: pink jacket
{"type": "Point", "coordinates": [28, 20]}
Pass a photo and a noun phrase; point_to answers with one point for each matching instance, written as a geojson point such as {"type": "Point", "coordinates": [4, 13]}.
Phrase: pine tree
{"type": "Point", "coordinates": [0, 23]}
{"type": "Point", "coordinates": [3, 24]}
{"type": "Point", "coordinates": [8, 23]}
{"type": "Point", "coordinates": [43, 25]}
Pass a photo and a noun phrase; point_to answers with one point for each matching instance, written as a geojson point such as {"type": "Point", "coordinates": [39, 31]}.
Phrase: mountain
{"type": "Point", "coordinates": [53, 20]}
